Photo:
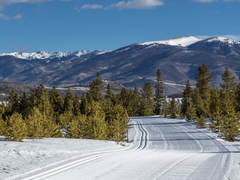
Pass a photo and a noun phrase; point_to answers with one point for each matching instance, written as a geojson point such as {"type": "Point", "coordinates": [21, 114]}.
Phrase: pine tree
{"type": "Point", "coordinates": [76, 105]}
{"type": "Point", "coordinates": [230, 86]}
{"type": "Point", "coordinates": [109, 94]}
{"type": "Point", "coordinates": [40, 125]}
{"type": "Point", "coordinates": [237, 98]}
{"type": "Point", "coordinates": [82, 119]}
{"type": "Point", "coordinates": [68, 102]}
{"type": "Point", "coordinates": [201, 122]}
{"type": "Point", "coordinates": [215, 112]}
{"type": "Point", "coordinates": [173, 108]}
{"type": "Point", "coordinates": [24, 105]}
{"type": "Point", "coordinates": [215, 101]}
{"type": "Point", "coordinates": [216, 120]}
{"type": "Point", "coordinates": [16, 128]}
{"type": "Point", "coordinates": [147, 99]}
{"type": "Point", "coordinates": [42, 101]}
{"type": "Point", "coordinates": [97, 127]}
{"type": "Point", "coordinates": [165, 107]}
{"type": "Point", "coordinates": [204, 80]}
{"type": "Point", "coordinates": [3, 127]}
{"type": "Point", "coordinates": [135, 102]}
{"type": "Point", "coordinates": [96, 89]}
{"type": "Point", "coordinates": [229, 83]}
{"type": "Point", "coordinates": [74, 128]}
{"type": "Point", "coordinates": [84, 104]}
{"type": "Point", "coordinates": [159, 89]}
{"type": "Point", "coordinates": [14, 102]}
{"type": "Point", "coordinates": [186, 98]}
{"type": "Point", "coordinates": [56, 101]}
{"type": "Point", "coordinates": [200, 104]}
{"type": "Point", "coordinates": [35, 124]}
{"type": "Point", "coordinates": [191, 113]}
{"type": "Point", "coordinates": [124, 97]}
{"type": "Point", "coordinates": [120, 121]}
{"type": "Point", "coordinates": [230, 125]}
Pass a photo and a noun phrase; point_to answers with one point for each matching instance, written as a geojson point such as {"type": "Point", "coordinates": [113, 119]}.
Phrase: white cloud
{"type": "Point", "coordinates": [4, 17]}
{"type": "Point", "coordinates": [4, 3]}
{"type": "Point", "coordinates": [92, 6]}
{"type": "Point", "coordinates": [136, 4]}
{"type": "Point", "coordinates": [204, 1]}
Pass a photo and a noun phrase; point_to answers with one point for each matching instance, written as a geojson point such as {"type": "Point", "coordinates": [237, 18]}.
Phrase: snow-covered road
{"type": "Point", "coordinates": [164, 149]}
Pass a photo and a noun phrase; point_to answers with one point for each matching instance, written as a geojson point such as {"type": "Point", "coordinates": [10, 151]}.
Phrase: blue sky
{"type": "Point", "coordinates": [70, 25]}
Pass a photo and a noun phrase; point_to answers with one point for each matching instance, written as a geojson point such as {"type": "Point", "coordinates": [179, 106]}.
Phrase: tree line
{"type": "Point", "coordinates": [95, 116]}
{"type": "Point", "coordinates": [46, 114]}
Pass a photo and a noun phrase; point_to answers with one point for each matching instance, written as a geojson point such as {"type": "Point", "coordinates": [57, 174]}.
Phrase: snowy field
{"type": "Point", "coordinates": [164, 149]}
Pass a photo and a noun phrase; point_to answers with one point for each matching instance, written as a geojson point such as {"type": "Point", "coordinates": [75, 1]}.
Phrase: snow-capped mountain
{"type": "Point", "coordinates": [131, 65]}
{"type": "Point", "coordinates": [180, 41]}
{"type": "Point", "coordinates": [219, 46]}
{"type": "Point", "coordinates": [46, 55]}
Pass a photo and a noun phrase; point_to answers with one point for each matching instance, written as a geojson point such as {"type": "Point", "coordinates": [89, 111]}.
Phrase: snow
{"type": "Point", "coordinates": [159, 148]}
{"type": "Point", "coordinates": [46, 55]}
{"type": "Point", "coordinates": [180, 41]}
{"type": "Point", "coordinates": [221, 39]}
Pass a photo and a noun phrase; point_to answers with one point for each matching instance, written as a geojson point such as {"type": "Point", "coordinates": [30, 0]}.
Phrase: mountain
{"type": "Point", "coordinates": [132, 65]}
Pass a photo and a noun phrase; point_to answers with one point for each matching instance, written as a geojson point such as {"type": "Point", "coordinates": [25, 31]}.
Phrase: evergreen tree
{"type": "Point", "coordinates": [191, 112]}
{"type": "Point", "coordinates": [204, 80]}
{"type": "Point", "coordinates": [40, 125]}
{"type": "Point", "coordinates": [159, 89]}
{"type": "Point", "coordinates": [3, 127]}
{"type": "Point", "coordinates": [84, 104]}
{"type": "Point", "coordinates": [109, 94]}
{"type": "Point", "coordinates": [13, 102]}
{"type": "Point", "coordinates": [76, 105]}
{"type": "Point", "coordinates": [147, 99]}
{"type": "Point", "coordinates": [186, 98]}
{"type": "Point", "coordinates": [165, 107]}
{"type": "Point", "coordinates": [237, 98]}
{"type": "Point", "coordinates": [56, 101]}
{"type": "Point", "coordinates": [135, 102]}
{"type": "Point", "coordinates": [68, 102]}
{"type": "Point", "coordinates": [96, 89]}
{"type": "Point", "coordinates": [16, 128]}
{"type": "Point", "coordinates": [216, 120]}
{"type": "Point", "coordinates": [97, 127]}
{"type": "Point", "coordinates": [229, 83]}
{"type": "Point", "coordinates": [230, 125]}
{"type": "Point", "coordinates": [74, 128]}
{"type": "Point", "coordinates": [83, 126]}
{"type": "Point", "coordinates": [24, 105]}
{"type": "Point", "coordinates": [35, 124]}
{"type": "Point", "coordinates": [42, 101]}
{"type": "Point", "coordinates": [173, 108]}
{"type": "Point", "coordinates": [200, 104]}
{"type": "Point", "coordinates": [201, 122]}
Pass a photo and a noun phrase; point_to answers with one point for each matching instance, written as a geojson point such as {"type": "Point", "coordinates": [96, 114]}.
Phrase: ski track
{"type": "Point", "coordinates": [162, 149]}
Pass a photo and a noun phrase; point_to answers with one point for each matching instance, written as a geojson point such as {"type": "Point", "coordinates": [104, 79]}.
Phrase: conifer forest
{"type": "Point", "coordinates": [93, 115]}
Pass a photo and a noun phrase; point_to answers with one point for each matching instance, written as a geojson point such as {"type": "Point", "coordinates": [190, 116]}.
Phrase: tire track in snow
{"type": "Point", "coordinates": [57, 170]}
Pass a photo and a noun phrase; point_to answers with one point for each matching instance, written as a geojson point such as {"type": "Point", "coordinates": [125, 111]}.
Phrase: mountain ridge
{"type": "Point", "coordinates": [131, 65]}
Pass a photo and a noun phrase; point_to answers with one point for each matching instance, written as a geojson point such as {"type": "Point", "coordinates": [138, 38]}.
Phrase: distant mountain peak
{"type": "Point", "coordinates": [46, 55]}
{"type": "Point", "coordinates": [221, 39]}
{"type": "Point", "coordinates": [179, 41]}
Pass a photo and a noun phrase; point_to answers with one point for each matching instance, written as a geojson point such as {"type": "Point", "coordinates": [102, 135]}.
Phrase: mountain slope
{"type": "Point", "coordinates": [131, 66]}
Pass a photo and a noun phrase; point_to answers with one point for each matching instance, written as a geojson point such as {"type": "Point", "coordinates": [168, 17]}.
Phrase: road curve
{"type": "Point", "coordinates": [163, 149]}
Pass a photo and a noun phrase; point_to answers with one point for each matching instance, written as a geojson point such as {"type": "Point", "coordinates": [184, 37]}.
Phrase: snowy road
{"type": "Point", "coordinates": [164, 149]}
